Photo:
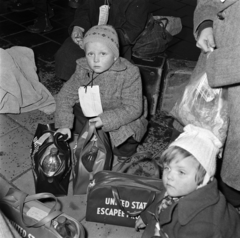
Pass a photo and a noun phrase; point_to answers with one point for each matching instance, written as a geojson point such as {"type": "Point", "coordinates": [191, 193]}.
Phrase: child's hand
{"type": "Point", "coordinates": [139, 224]}
{"type": "Point", "coordinates": [206, 40]}
{"type": "Point", "coordinates": [97, 121]}
{"type": "Point", "coordinates": [64, 131]}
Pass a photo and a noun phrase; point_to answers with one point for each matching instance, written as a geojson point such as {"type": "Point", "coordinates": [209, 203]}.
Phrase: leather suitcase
{"type": "Point", "coordinates": [176, 77]}
{"type": "Point", "coordinates": [151, 72]}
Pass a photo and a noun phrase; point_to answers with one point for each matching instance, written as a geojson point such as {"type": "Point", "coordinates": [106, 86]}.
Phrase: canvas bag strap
{"type": "Point", "coordinates": [134, 213]}
{"type": "Point", "coordinates": [56, 139]}
{"type": "Point", "coordinates": [24, 198]}
{"type": "Point", "coordinates": [91, 130]}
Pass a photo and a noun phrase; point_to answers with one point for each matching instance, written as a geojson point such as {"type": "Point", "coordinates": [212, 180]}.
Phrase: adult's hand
{"type": "Point", "coordinates": [206, 40]}
{"type": "Point", "coordinates": [77, 36]}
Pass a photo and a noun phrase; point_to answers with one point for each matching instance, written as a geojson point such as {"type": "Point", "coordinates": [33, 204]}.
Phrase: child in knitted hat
{"type": "Point", "coordinates": [191, 204]}
{"type": "Point", "coordinates": [114, 83]}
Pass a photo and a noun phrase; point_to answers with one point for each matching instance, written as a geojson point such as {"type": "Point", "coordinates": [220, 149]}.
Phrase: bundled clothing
{"type": "Point", "coordinates": [128, 17]}
{"type": "Point", "coordinates": [121, 98]}
{"type": "Point", "coordinates": [201, 214]}
{"type": "Point", "coordinates": [20, 89]}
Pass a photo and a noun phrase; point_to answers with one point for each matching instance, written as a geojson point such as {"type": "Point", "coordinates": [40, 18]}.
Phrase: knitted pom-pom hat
{"type": "Point", "coordinates": [203, 145]}
{"type": "Point", "coordinates": [105, 34]}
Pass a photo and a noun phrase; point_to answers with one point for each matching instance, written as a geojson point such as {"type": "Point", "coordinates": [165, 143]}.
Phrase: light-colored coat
{"type": "Point", "coordinates": [223, 69]}
{"type": "Point", "coordinates": [121, 97]}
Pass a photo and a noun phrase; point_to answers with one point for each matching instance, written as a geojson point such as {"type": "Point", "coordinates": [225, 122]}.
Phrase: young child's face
{"type": "Point", "coordinates": [99, 57]}
{"type": "Point", "coordinates": [179, 177]}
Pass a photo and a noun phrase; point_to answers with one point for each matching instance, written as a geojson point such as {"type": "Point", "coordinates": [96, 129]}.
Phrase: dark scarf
{"type": "Point", "coordinates": [166, 202]}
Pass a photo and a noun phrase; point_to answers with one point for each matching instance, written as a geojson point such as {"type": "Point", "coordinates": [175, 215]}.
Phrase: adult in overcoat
{"type": "Point", "coordinates": [223, 70]}
{"type": "Point", "coordinates": [128, 17]}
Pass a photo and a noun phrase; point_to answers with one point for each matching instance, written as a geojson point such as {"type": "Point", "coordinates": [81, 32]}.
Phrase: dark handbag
{"type": "Point", "coordinates": [92, 153]}
{"type": "Point", "coordinates": [135, 167]}
{"type": "Point", "coordinates": [51, 172]}
{"type": "Point", "coordinates": [32, 218]}
{"type": "Point", "coordinates": [117, 198]}
{"type": "Point", "coordinates": [153, 40]}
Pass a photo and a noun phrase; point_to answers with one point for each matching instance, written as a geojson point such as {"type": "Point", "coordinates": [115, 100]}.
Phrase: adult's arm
{"type": "Point", "coordinates": [223, 65]}
{"type": "Point", "coordinates": [205, 11]}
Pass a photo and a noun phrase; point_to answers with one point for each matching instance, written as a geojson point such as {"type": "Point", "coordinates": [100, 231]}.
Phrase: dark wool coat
{"type": "Point", "coordinates": [223, 69]}
{"type": "Point", "coordinates": [203, 213]}
{"type": "Point", "coordinates": [121, 97]}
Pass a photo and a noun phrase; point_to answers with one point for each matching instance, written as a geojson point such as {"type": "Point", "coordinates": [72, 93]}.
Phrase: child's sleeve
{"type": "Point", "coordinates": [131, 102]}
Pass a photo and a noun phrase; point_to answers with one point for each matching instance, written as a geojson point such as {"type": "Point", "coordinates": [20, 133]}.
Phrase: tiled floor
{"type": "Point", "coordinates": [17, 130]}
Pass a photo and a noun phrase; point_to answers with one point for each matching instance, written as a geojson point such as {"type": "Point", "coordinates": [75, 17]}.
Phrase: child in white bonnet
{"type": "Point", "coordinates": [192, 205]}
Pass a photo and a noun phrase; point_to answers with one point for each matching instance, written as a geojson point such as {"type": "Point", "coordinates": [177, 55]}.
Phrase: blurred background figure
{"type": "Point", "coordinates": [73, 3]}
{"type": "Point", "coordinates": [43, 9]}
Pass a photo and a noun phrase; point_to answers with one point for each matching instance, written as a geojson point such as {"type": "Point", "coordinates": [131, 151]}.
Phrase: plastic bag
{"type": "Point", "coordinates": [203, 106]}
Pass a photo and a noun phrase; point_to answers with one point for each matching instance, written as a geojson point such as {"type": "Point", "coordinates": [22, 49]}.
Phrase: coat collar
{"type": "Point", "coordinates": [226, 3]}
{"type": "Point", "coordinates": [192, 204]}
{"type": "Point", "coordinates": [117, 66]}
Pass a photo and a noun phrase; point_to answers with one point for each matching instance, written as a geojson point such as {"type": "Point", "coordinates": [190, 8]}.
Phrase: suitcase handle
{"type": "Point", "coordinates": [24, 198]}
{"type": "Point", "coordinates": [134, 213]}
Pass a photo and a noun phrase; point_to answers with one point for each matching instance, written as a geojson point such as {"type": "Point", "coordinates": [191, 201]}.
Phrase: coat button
{"type": "Point", "coordinates": [221, 16]}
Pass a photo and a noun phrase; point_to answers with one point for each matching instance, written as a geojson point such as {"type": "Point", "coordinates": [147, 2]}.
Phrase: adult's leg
{"type": "Point", "coordinates": [127, 148]}
{"type": "Point", "coordinates": [232, 195]}
{"type": "Point", "coordinates": [41, 7]}
{"type": "Point", "coordinates": [25, 1]}
{"type": "Point", "coordinates": [79, 120]}
{"type": "Point", "coordinates": [42, 23]}
{"type": "Point", "coordinates": [126, 52]}
{"type": "Point", "coordinates": [22, 5]}
{"type": "Point", "coordinates": [65, 59]}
